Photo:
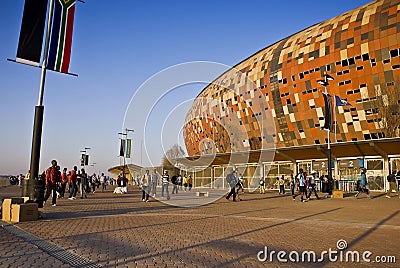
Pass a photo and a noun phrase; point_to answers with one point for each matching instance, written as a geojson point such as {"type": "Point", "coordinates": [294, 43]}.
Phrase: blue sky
{"type": "Point", "coordinates": [117, 46]}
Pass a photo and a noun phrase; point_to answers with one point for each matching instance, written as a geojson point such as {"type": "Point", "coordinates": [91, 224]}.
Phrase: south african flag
{"type": "Point", "coordinates": [61, 36]}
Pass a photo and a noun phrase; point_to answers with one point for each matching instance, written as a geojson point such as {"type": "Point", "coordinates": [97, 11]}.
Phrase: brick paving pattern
{"type": "Point", "coordinates": [122, 231]}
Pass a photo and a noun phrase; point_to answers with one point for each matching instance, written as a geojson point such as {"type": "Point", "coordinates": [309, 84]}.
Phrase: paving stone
{"type": "Point", "coordinates": [121, 231]}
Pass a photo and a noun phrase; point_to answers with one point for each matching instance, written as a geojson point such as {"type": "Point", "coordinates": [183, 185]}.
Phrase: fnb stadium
{"type": "Point", "coordinates": [268, 115]}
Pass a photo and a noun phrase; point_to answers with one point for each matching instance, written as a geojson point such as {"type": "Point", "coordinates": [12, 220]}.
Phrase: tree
{"type": "Point", "coordinates": [172, 154]}
{"type": "Point", "coordinates": [388, 105]}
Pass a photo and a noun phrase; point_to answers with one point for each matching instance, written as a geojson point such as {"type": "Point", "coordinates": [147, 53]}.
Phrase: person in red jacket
{"type": "Point", "coordinates": [64, 181]}
{"type": "Point", "coordinates": [73, 180]}
{"type": "Point", "coordinates": [52, 178]}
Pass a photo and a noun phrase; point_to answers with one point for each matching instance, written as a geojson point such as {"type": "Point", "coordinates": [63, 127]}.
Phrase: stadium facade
{"type": "Point", "coordinates": [272, 100]}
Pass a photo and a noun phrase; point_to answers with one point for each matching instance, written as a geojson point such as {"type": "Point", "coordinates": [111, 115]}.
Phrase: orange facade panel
{"type": "Point", "coordinates": [362, 55]}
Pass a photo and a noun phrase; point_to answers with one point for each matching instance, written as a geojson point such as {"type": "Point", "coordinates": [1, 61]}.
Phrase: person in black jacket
{"type": "Point", "coordinates": [232, 180]}
{"type": "Point", "coordinates": [392, 184]}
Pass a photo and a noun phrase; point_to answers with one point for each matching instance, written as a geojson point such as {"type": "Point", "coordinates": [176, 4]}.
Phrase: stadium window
{"type": "Point", "coordinates": [367, 136]}
{"type": "Point", "coordinates": [394, 53]}
{"type": "Point", "coordinates": [365, 57]}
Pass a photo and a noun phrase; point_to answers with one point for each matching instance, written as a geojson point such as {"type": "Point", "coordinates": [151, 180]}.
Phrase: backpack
{"type": "Point", "coordinates": [229, 178]}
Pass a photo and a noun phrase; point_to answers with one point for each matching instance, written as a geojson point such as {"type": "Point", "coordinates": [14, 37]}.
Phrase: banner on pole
{"type": "Point", "coordinates": [328, 111]}
{"type": "Point", "coordinates": [122, 148]}
{"type": "Point", "coordinates": [83, 160]}
{"type": "Point", "coordinates": [128, 148]}
{"type": "Point", "coordinates": [31, 34]}
{"type": "Point", "coordinates": [61, 36]}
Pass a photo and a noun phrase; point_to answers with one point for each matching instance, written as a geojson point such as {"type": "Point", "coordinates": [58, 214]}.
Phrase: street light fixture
{"type": "Point", "coordinates": [125, 133]}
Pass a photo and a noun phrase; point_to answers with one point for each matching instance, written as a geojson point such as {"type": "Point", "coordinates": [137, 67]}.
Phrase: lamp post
{"type": "Point", "coordinates": [325, 83]}
{"type": "Point", "coordinates": [30, 184]}
{"type": "Point", "coordinates": [123, 151]}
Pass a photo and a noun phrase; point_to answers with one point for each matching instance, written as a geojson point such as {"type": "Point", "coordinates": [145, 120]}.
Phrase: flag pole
{"type": "Point", "coordinates": [30, 185]}
{"type": "Point", "coordinates": [334, 114]}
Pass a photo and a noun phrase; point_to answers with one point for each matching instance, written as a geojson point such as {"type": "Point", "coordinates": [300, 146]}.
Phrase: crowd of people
{"type": "Point", "coordinates": [81, 184]}
{"type": "Point", "coordinates": [305, 185]}
{"type": "Point", "coordinates": [78, 181]}
{"type": "Point", "coordinates": [148, 183]}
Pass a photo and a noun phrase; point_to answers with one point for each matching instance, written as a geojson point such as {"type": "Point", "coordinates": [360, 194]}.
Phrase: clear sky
{"type": "Point", "coordinates": [118, 46]}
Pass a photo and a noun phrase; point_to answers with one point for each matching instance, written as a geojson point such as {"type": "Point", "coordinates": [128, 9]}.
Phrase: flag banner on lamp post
{"type": "Point", "coordinates": [341, 102]}
{"type": "Point", "coordinates": [328, 111]}
{"type": "Point", "coordinates": [122, 148]}
{"type": "Point", "coordinates": [83, 160]}
{"type": "Point", "coordinates": [128, 148]}
{"type": "Point", "coordinates": [31, 34]}
{"type": "Point", "coordinates": [61, 36]}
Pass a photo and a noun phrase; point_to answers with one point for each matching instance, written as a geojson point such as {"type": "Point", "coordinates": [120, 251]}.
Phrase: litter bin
{"type": "Point", "coordinates": [39, 192]}
{"type": "Point", "coordinates": [325, 187]}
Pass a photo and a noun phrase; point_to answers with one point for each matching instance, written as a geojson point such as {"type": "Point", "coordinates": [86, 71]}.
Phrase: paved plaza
{"type": "Point", "coordinates": [110, 230]}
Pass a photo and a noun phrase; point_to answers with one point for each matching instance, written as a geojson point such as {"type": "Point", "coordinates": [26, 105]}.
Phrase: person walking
{"type": "Point", "coordinates": [52, 178]}
{"type": "Point", "coordinates": [392, 184]}
{"type": "Point", "coordinates": [73, 180]}
{"type": "Point", "coordinates": [363, 187]}
{"type": "Point", "coordinates": [312, 187]}
{"type": "Point", "coordinates": [79, 180]}
{"type": "Point", "coordinates": [145, 186]}
{"type": "Point", "coordinates": [262, 185]}
{"type": "Point", "coordinates": [64, 180]}
{"type": "Point", "coordinates": [93, 181]}
{"type": "Point", "coordinates": [281, 182]}
{"type": "Point", "coordinates": [180, 182]}
{"type": "Point", "coordinates": [232, 180]}
{"type": "Point", "coordinates": [185, 182]}
{"type": "Point", "coordinates": [190, 182]}
{"type": "Point", "coordinates": [165, 183]}
{"type": "Point", "coordinates": [302, 184]}
{"type": "Point", "coordinates": [154, 182]}
{"type": "Point", "coordinates": [239, 184]}
{"type": "Point", "coordinates": [174, 181]}
{"type": "Point", "coordinates": [84, 183]}
{"type": "Point", "coordinates": [103, 182]}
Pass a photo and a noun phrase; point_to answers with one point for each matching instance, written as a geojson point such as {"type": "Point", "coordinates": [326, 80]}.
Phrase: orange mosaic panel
{"type": "Point", "coordinates": [273, 99]}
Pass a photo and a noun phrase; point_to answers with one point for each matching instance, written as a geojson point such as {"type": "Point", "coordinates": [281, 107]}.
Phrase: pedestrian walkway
{"type": "Point", "coordinates": [109, 230]}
